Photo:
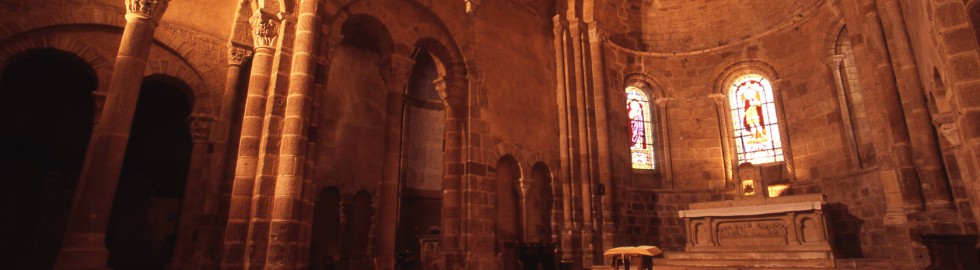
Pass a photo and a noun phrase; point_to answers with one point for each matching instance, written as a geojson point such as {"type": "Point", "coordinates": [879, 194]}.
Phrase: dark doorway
{"type": "Point", "coordinates": [325, 247]}
{"type": "Point", "coordinates": [359, 213]}
{"type": "Point", "coordinates": [48, 111]}
{"type": "Point", "coordinates": [508, 213]}
{"type": "Point", "coordinates": [143, 227]}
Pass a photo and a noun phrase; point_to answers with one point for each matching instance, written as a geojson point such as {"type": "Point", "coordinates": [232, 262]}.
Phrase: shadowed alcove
{"type": "Point", "coordinates": [143, 226]}
{"type": "Point", "coordinates": [48, 113]}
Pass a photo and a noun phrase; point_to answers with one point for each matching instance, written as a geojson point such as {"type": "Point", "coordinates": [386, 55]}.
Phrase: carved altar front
{"type": "Point", "coordinates": [793, 224]}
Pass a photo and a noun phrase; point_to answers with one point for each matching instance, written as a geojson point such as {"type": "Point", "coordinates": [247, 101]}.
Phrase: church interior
{"type": "Point", "coordinates": [489, 134]}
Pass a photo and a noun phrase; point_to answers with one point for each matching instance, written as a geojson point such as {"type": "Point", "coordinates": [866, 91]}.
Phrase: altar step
{"type": "Point", "coordinates": [768, 263]}
{"type": "Point", "coordinates": [735, 255]}
{"type": "Point", "coordinates": [762, 264]}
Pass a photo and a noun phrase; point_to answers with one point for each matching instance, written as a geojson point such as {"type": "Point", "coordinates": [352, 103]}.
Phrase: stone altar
{"type": "Point", "coordinates": [793, 224]}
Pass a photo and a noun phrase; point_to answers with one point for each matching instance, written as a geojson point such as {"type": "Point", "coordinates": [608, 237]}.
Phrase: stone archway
{"type": "Point", "coordinates": [50, 110]}
{"type": "Point", "coordinates": [143, 227]}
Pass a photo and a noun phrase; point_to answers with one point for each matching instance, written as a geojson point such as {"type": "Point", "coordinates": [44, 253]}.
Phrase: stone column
{"type": "Point", "coordinates": [608, 226]}
{"type": "Point", "coordinates": [286, 215]}
{"type": "Point", "coordinates": [193, 202]}
{"type": "Point", "coordinates": [564, 172]}
{"type": "Point", "coordinates": [217, 183]}
{"type": "Point", "coordinates": [899, 180]}
{"type": "Point", "coordinates": [583, 166]}
{"type": "Point", "coordinates": [523, 188]}
{"type": "Point", "coordinates": [922, 136]}
{"type": "Point", "coordinates": [396, 75]}
{"type": "Point", "coordinates": [265, 30]}
{"type": "Point", "coordinates": [724, 134]}
{"type": "Point", "coordinates": [835, 62]}
{"type": "Point", "coordinates": [452, 182]}
{"type": "Point", "coordinates": [84, 241]}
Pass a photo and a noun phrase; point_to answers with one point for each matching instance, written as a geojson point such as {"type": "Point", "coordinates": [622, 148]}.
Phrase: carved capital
{"type": "Point", "coordinates": [524, 186]}
{"type": "Point", "coordinates": [440, 85]}
{"type": "Point", "coordinates": [396, 71]}
{"type": "Point", "coordinates": [146, 9]}
{"type": "Point", "coordinates": [559, 26]}
{"type": "Point", "coordinates": [237, 55]}
{"type": "Point", "coordinates": [265, 29]}
{"type": "Point", "coordinates": [662, 102]}
{"type": "Point", "coordinates": [834, 60]}
{"type": "Point", "coordinates": [575, 26]}
{"type": "Point", "coordinates": [719, 99]}
{"type": "Point", "coordinates": [597, 33]}
{"type": "Point", "coordinates": [200, 127]}
{"type": "Point", "coordinates": [471, 6]}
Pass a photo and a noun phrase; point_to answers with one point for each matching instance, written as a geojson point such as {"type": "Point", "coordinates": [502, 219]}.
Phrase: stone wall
{"type": "Point", "coordinates": [650, 217]}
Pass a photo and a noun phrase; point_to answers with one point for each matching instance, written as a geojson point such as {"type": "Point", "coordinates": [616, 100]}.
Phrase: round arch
{"type": "Point", "coordinates": [99, 63]}
{"type": "Point", "coordinates": [201, 100]}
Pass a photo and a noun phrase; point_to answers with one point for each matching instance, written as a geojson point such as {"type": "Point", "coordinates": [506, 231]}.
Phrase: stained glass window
{"type": "Point", "coordinates": [641, 131]}
{"type": "Point", "coordinates": [754, 119]}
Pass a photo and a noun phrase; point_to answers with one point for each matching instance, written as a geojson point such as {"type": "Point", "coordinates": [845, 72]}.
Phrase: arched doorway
{"type": "Point", "coordinates": [325, 247]}
{"type": "Point", "coordinates": [48, 113]}
{"type": "Point", "coordinates": [507, 210]}
{"type": "Point", "coordinates": [145, 214]}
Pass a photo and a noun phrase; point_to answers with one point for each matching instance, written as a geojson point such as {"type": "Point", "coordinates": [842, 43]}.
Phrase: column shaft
{"type": "Point", "coordinates": [922, 136]}
{"type": "Point", "coordinates": [192, 206]}
{"type": "Point", "coordinates": [84, 241]}
{"type": "Point", "coordinates": [582, 154]}
{"type": "Point", "coordinates": [608, 226]}
{"type": "Point", "coordinates": [240, 210]}
{"type": "Point", "coordinates": [287, 203]}
{"type": "Point", "coordinates": [396, 78]}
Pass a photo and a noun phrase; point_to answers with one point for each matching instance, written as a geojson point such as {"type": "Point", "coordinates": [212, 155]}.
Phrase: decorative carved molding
{"type": "Point", "coordinates": [265, 29]}
{"type": "Point", "coordinates": [147, 9]}
{"type": "Point", "coordinates": [237, 55]}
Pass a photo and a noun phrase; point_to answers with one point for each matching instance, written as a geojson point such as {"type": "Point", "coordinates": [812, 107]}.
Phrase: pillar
{"type": "Point", "coordinates": [84, 241]}
{"type": "Point", "coordinates": [563, 174]}
{"type": "Point", "coordinates": [900, 180]}
{"type": "Point", "coordinates": [396, 75]}
{"type": "Point", "coordinates": [285, 225]}
{"type": "Point", "coordinates": [608, 226]}
{"type": "Point", "coordinates": [265, 30]}
{"type": "Point", "coordinates": [193, 202]}
{"type": "Point", "coordinates": [922, 135]}
{"type": "Point", "coordinates": [583, 169]}
{"type": "Point", "coordinates": [217, 182]}
{"type": "Point", "coordinates": [452, 182]}
{"type": "Point", "coordinates": [523, 188]}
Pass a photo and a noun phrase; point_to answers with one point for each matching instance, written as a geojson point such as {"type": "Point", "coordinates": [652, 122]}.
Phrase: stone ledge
{"type": "Point", "coordinates": [753, 210]}
{"type": "Point", "coordinates": [758, 200]}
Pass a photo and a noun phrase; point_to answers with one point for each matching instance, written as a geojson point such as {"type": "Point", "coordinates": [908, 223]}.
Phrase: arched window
{"type": "Point", "coordinates": [757, 139]}
{"type": "Point", "coordinates": [641, 128]}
